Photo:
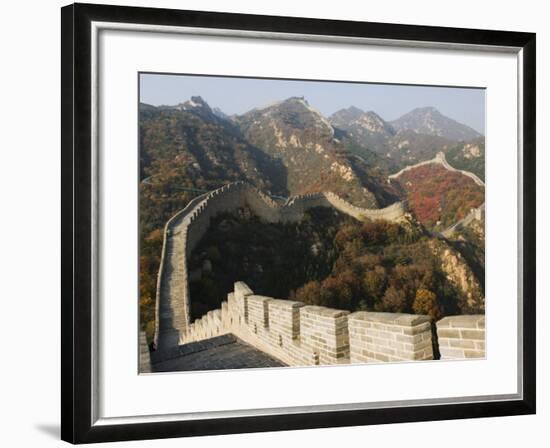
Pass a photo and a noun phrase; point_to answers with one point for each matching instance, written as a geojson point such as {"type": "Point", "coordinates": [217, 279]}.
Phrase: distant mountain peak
{"type": "Point", "coordinates": [298, 102]}
{"type": "Point", "coordinates": [281, 103]}
{"type": "Point", "coordinates": [194, 102]}
{"type": "Point", "coordinates": [354, 110]}
{"type": "Point", "coordinates": [425, 112]}
{"type": "Point", "coordinates": [197, 106]}
{"type": "Point", "coordinates": [294, 111]}
{"type": "Point", "coordinates": [348, 113]}
{"type": "Point", "coordinates": [374, 123]}
{"type": "Point", "coordinates": [426, 109]}
{"type": "Point", "coordinates": [429, 120]}
{"type": "Point", "coordinates": [372, 113]}
{"type": "Point", "coordinates": [300, 99]}
{"type": "Point", "coordinates": [356, 120]}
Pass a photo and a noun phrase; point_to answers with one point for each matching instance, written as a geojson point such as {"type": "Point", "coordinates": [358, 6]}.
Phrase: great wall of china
{"type": "Point", "coordinates": [290, 331]}
{"type": "Point", "coordinates": [185, 229]}
{"type": "Point", "coordinates": [304, 335]}
{"type": "Point", "coordinates": [440, 159]}
{"type": "Point", "coordinates": [475, 214]}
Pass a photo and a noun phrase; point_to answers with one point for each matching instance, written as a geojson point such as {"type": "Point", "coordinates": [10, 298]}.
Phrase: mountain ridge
{"type": "Point", "coordinates": [316, 160]}
{"type": "Point", "coordinates": [288, 147]}
{"type": "Point", "coordinates": [429, 120]}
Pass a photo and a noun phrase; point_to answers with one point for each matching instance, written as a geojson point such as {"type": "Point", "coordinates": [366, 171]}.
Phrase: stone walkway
{"type": "Point", "coordinates": [218, 353]}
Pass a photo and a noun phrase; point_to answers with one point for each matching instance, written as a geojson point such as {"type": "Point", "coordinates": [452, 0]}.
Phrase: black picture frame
{"type": "Point", "coordinates": [76, 281]}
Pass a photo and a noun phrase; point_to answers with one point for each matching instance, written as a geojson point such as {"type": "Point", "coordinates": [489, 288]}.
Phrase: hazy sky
{"type": "Point", "coordinates": [238, 95]}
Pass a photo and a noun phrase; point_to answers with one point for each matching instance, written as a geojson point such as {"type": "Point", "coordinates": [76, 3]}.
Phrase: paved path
{"type": "Point", "coordinates": [172, 310]}
{"type": "Point", "coordinates": [219, 353]}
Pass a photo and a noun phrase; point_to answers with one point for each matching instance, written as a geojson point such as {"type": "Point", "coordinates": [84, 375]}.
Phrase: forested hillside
{"type": "Point", "coordinates": [288, 148]}
{"type": "Point", "coordinates": [332, 260]}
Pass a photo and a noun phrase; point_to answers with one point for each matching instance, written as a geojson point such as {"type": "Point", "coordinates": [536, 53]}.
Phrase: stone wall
{"type": "Point", "coordinates": [476, 214]}
{"type": "Point", "coordinates": [144, 354]}
{"type": "Point", "coordinates": [302, 331]}
{"type": "Point", "coordinates": [301, 335]}
{"type": "Point", "coordinates": [441, 160]}
{"type": "Point", "coordinates": [185, 229]}
{"type": "Point", "coordinates": [172, 304]}
{"type": "Point", "coordinates": [461, 337]}
{"type": "Point", "coordinates": [324, 332]}
{"type": "Point", "coordinates": [389, 337]}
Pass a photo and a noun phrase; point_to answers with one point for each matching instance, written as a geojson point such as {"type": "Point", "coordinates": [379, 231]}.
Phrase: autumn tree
{"type": "Point", "coordinates": [394, 300]}
{"type": "Point", "coordinates": [374, 284]}
{"type": "Point", "coordinates": [310, 293]}
{"type": "Point", "coordinates": [425, 302]}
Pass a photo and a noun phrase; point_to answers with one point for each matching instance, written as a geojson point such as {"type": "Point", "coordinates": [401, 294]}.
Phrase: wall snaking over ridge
{"type": "Point", "coordinates": [474, 214]}
{"type": "Point", "coordinates": [441, 160]}
{"type": "Point", "coordinates": [185, 229]}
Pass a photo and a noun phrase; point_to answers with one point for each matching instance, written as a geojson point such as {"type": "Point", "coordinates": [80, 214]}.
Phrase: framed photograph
{"type": "Point", "coordinates": [276, 223]}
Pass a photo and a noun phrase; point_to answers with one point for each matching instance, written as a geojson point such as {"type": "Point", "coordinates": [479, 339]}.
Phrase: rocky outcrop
{"type": "Point", "coordinates": [297, 135]}
{"type": "Point", "coordinates": [460, 274]}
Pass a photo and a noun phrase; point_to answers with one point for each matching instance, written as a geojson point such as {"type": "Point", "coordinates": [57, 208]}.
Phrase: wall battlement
{"type": "Point", "coordinates": [185, 229]}
{"type": "Point", "coordinates": [461, 337]}
{"type": "Point", "coordinates": [302, 335]}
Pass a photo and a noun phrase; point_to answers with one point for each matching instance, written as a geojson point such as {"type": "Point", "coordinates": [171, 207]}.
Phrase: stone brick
{"type": "Point", "coordinates": [461, 343]}
{"type": "Point", "coordinates": [474, 354]}
{"type": "Point", "coordinates": [473, 334]}
{"type": "Point", "coordinates": [451, 353]}
{"type": "Point", "coordinates": [325, 331]}
{"type": "Point", "coordinates": [386, 340]}
{"type": "Point", "coordinates": [462, 321]}
{"type": "Point", "coordinates": [426, 326]}
{"type": "Point", "coordinates": [450, 333]}
{"type": "Point", "coordinates": [258, 310]}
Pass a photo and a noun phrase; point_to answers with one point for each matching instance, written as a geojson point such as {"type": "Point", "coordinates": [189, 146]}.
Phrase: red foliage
{"type": "Point", "coordinates": [436, 194]}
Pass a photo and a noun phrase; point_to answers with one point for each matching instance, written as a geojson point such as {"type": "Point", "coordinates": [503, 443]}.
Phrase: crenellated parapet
{"type": "Point", "coordinates": [392, 212]}
{"type": "Point", "coordinates": [304, 335]}
{"type": "Point", "coordinates": [183, 232]}
{"type": "Point", "coordinates": [390, 337]}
